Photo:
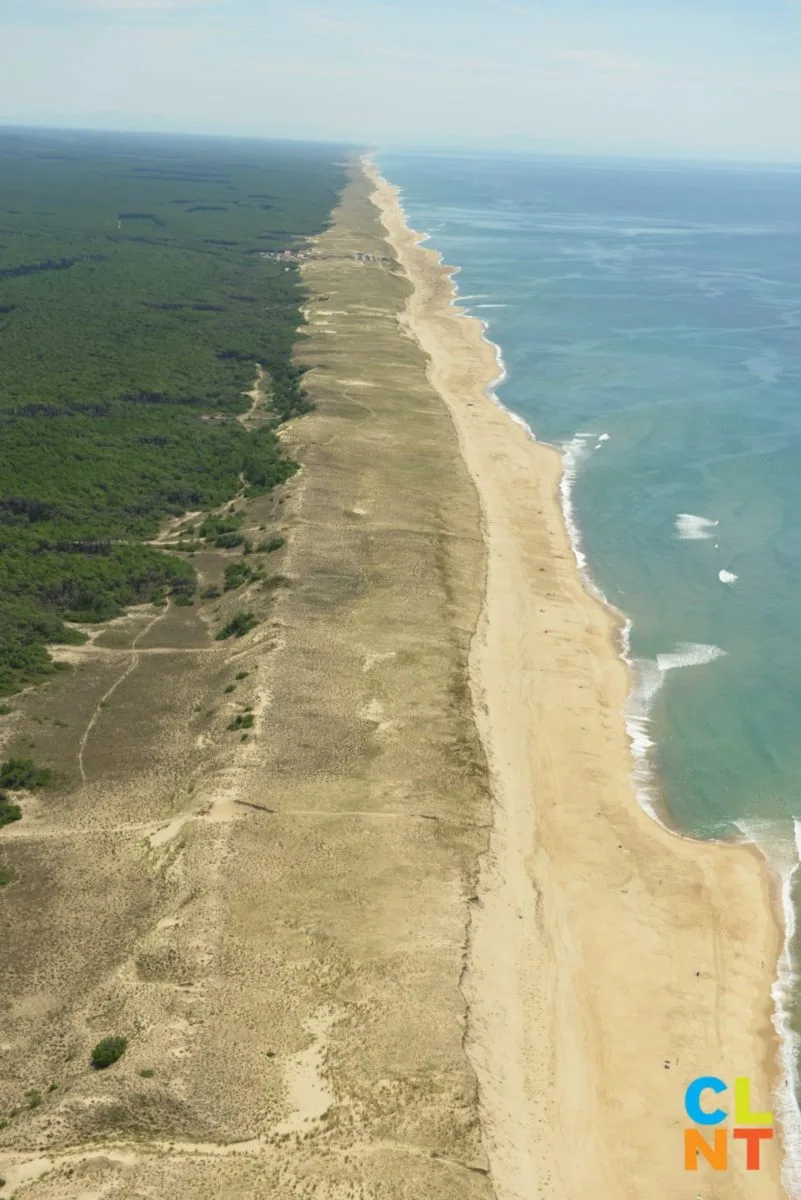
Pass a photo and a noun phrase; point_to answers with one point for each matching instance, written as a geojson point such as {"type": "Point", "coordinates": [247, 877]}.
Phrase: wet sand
{"type": "Point", "coordinates": [610, 962]}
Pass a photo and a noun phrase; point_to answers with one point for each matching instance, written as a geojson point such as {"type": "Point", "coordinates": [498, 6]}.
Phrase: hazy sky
{"type": "Point", "coordinates": [677, 77]}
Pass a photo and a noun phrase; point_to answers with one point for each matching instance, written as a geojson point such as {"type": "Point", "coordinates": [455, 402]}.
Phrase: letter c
{"type": "Point", "coordinates": [692, 1100]}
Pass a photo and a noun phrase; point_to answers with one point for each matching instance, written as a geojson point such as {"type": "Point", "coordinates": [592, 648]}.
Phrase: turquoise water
{"type": "Point", "coordinates": [660, 305]}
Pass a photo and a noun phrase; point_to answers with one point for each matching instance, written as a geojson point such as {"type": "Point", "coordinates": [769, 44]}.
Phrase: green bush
{"type": "Point", "coordinates": [215, 526]}
{"type": "Point", "coordinates": [108, 1051]}
{"type": "Point", "coordinates": [236, 574]}
{"type": "Point", "coordinates": [270, 544]}
{"type": "Point", "coordinates": [243, 721]}
{"type": "Point", "coordinates": [240, 624]}
{"type": "Point", "coordinates": [228, 541]}
{"type": "Point", "coordinates": [23, 773]}
{"type": "Point", "coordinates": [8, 812]}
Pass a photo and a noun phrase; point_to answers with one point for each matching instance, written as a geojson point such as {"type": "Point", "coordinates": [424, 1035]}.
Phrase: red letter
{"type": "Point", "coordinates": [716, 1156]}
{"type": "Point", "coordinates": [752, 1138]}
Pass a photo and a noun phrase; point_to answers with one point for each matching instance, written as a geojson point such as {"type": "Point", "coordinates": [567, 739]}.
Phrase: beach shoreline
{"type": "Point", "coordinates": [611, 959]}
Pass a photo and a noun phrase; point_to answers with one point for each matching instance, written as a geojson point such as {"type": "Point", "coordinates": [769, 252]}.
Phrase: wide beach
{"type": "Point", "coordinates": [610, 962]}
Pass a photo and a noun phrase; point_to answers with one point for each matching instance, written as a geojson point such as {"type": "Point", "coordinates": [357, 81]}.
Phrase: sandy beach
{"type": "Point", "coordinates": [610, 962]}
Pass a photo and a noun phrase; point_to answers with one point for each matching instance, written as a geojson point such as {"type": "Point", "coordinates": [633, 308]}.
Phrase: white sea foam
{"type": "Point", "coordinates": [727, 577]}
{"type": "Point", "coordinates": [573, 454]}
{"type": "Point", "coordinates": [503, 374]}
{"type": "Point", "coordinates": [649, 676]}
{"type": "Point", "coordinates": [694, 529]}
{"type": "Point", "coordinates": [689, 654]}
{"type": "Point", "coordinates": [647, 680]}
{"type": "Point", "coordinates": [781, 846]}
{"type": "Point", "coordinates": [456, 300]}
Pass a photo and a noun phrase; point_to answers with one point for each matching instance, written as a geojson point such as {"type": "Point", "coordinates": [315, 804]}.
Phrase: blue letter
{"type": "Point", "coordinates": [692, 1100]}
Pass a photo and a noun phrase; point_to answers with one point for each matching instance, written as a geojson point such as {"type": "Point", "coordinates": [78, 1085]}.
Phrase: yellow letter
{"type": "Point", "coordinates": [695, 1144]}
{"type": "Point", "coordinates": [742, 1105]}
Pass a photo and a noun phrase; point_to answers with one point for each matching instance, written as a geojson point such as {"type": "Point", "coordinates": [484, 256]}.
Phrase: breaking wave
{"type": "Point", "coordinates": [691, 528]}
{"type": "Point", "coordinates": [780, 845]}
{"type": "Point", "coordinates": [574, 453]}
{"type": "Point", "coordinates": [649, 677]}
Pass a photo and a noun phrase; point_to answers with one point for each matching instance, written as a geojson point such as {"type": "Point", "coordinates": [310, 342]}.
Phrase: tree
{"type": "Point", "coordinates": [108, 1051]}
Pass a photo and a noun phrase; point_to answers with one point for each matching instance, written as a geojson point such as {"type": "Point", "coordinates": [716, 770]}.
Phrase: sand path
{"type": "Point", "coordinates": [610, 962]}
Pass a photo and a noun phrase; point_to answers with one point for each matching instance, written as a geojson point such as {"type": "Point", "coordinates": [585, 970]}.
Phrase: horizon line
{"type": "Point", "coordinates": [457, 149]}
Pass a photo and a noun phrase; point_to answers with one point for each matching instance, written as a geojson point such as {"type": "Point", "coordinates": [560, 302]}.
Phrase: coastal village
{"type": "Point", "coordinates": [305, 255]}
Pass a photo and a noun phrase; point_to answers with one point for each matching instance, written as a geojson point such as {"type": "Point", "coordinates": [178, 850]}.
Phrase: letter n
{"type": "Point", "coordinates": [695, 1143]}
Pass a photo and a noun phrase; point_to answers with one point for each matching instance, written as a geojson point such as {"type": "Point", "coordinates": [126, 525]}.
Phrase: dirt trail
{"type": "Point", "coordinates": [258, 399]}
{"type": "Point", "coordinates": [133, 664]}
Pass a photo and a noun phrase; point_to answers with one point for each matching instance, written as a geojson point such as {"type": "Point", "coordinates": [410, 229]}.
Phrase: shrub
{"type": "Point", "coordinates": [147, 1073]}
{"type": "Point", "coordinates": [243, 721]}
{"type": "Point", "coordinates": [213, 527]}
{"type": "Point", "coordinates": [5, 709]}
{"type": "Point", "coordinates": [5, 876]}
{"type": "Point", "coordinates": [23, 773]}
{"type": "Point", "coordinates": [231, 688]}
{"type": "Point", "coordinates": [237, 573]}
{"type": "Point", "coordinates": [241, 674]}
{"type": "Point", "coordinates": [210, 593]}
{"type": "Point", "coordinates": [108, 1051]}
{"type": "Point", "coordinates": [270, 544]}
{"type": "Point", "coordinates": [8, 812]}
{"type": "Point", "coordinates": [240, 624]}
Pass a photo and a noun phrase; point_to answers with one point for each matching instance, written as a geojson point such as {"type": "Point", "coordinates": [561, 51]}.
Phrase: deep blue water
{"type": "Point", "coordinates": [660, 304]}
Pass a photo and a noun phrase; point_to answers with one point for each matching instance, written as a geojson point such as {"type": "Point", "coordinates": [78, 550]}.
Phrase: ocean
{"type": "Point", "coordinates": [648, 315]}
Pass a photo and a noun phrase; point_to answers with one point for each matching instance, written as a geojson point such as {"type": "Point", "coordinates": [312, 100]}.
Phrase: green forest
{"type": "Point", "coordinates": [135, 301]}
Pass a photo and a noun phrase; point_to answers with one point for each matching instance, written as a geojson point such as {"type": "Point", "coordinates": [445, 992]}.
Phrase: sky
{"type": "Point", "coordinates": [675, 78]}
